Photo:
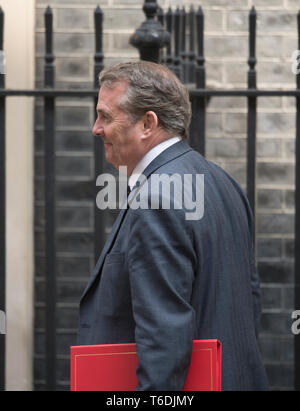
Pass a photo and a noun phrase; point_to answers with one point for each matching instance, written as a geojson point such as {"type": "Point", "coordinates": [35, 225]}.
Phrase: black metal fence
{"type": "Point", "coordinates": [2, 212]}
{"type": "Point", "coordinates": [189, 64]}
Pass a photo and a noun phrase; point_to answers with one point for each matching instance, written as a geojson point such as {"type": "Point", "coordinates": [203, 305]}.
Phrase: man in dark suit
{"type": "Point", "coordinates": [167, 276]}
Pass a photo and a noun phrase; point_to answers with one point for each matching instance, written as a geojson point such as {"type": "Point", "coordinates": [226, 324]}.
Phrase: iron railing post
{"type": "Point", "coordinates": [50, 224]}
{"type": "Point", "coordinates": [176, 60]}
{"type": "Point", "coordinates": [161, 19]}
{"type": "Point", "coordinates": [2, 211]}
{"type": "Point", "coordinates": [99, 215]}
{"type": "Point", "coordinates": [251, 118]}
{"type": "Point", "coordinates": [191, 53]}
{"type": "Point", "coordinates": [150, 37]}
{"type": "Point", "coordinates": [297, 227]}
{"type": "Point", "coordinates": [169, 24]}
{"type": "Point", "coordinates": [199, 104]}
{"type": "Point", "coordinates": [183, 52]}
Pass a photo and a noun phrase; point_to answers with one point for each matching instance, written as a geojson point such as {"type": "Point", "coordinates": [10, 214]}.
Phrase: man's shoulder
{"type": "Point", "coordinates": [180, 157]}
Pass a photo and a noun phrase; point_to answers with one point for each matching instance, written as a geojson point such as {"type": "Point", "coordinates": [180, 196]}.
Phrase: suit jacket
{"type": "Point", "coordinates": [163, 280]}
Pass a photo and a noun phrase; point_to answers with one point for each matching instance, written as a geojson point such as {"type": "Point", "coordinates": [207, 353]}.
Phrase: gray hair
{"type": "Point", "coordinates": [152, 87]}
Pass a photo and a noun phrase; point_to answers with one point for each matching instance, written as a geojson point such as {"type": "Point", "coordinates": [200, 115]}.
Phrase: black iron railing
{"type": "Point", "coordinates": [297, 226]}
{"type": "Point", "coordinates": [50, 226]}
{"type": "Point", "coordinates": [189, 64]}
{"type": "Point", "coordinates": [2, 211]}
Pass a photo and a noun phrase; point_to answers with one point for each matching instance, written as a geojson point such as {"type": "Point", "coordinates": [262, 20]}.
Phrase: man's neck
{"type": "Point", "coordinates": [149, 157]}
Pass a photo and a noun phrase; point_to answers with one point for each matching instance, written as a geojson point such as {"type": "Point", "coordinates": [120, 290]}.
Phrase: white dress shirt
{"type": "Point", "coordinates": [148, 157]}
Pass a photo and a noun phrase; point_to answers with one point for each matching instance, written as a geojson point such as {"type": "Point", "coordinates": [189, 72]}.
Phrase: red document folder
{"type": "Point", "coordinates": [112, 367]}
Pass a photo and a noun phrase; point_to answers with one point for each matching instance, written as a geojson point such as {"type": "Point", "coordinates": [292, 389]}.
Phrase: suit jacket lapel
{"type": "Point", "coordinates": [169, 154]}
{"type": "Point", "coordinates": [109, 242]}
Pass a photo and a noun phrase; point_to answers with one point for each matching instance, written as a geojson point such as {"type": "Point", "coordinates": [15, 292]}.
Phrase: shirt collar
{"type": "Point", "coordinates": [149, 157]}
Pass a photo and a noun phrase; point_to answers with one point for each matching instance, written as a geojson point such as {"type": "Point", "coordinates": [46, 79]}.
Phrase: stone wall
{"type": "Point", "coordinates": [226, 52]}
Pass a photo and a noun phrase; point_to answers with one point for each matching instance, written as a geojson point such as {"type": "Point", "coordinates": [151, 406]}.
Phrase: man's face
{"type": "Point", "coordinates": [121, 138]}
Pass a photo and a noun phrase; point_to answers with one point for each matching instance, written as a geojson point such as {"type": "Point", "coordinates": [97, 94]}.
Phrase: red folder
{"type": "Point", "coordinates": [112, 367]}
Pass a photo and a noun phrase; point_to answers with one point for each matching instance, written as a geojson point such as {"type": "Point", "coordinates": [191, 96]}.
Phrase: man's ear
{"type": "Point", "coordinates": [150, 123]}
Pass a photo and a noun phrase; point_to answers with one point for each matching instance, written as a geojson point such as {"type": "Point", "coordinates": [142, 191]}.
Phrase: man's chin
{"type": "Point", "coordinates": [110, 160]}
{"type": "Point", "coordinates": [108, 153]}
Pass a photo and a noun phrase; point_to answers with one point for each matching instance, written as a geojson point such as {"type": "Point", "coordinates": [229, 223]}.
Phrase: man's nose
{"type": "Point", "coordinates": [97, 129]}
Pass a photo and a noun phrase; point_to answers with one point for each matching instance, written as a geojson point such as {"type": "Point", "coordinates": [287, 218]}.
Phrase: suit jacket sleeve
{"type": "Point", "coordinates": [161, 268]}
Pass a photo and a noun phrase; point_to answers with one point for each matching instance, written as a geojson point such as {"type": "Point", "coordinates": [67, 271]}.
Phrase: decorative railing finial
{"type": "Point", "coordinates": [150, 37]}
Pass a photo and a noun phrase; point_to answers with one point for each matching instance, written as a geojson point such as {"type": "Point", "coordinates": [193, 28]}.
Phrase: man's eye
{"type": "Point", "coordinates": [105, 117]}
